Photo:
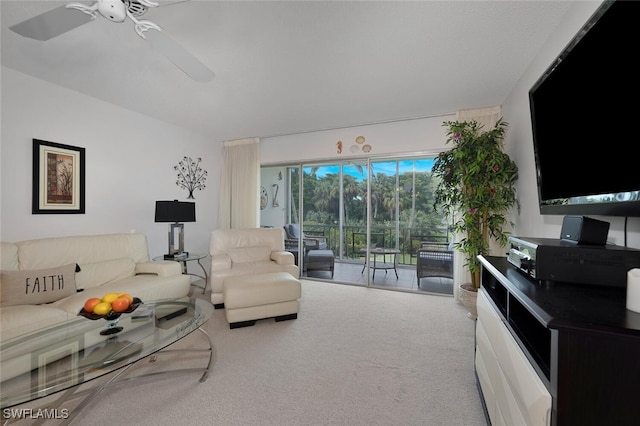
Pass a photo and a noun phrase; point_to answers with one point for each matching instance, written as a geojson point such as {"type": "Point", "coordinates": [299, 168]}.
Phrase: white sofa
{"type": "Point", "coordinates": [107, 263]}
{"type": "Point", "coordinates": [246, 251]}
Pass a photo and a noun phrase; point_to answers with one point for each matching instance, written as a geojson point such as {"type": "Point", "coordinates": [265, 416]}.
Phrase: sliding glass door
{"type": "Point", "coordinates": [372, 214]}
{"type": "Point", "coordinates": [354, 211]}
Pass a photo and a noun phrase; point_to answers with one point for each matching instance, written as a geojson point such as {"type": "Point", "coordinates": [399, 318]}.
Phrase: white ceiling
{"type": "Point", "coordinates": [292, 66]}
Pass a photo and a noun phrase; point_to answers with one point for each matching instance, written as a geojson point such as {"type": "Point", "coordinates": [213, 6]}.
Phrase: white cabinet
{"type": "Point", "coordinates": [512, 390]}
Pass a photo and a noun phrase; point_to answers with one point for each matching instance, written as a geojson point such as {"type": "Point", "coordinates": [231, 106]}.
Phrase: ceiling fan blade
{"type": "Point", "coordinates": [177, 54]}
{"type": "Point", "coordinates": [170, 2]}
{"type": "Point", "coordinates": [51, 24]}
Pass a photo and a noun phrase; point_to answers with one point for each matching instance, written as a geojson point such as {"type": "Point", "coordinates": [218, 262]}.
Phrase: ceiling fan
{"type": "Point", "coordinates": [65, 18]}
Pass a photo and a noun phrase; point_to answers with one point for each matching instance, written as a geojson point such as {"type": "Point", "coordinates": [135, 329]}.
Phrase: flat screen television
{"type": "Point", "coordinates": [584, 131]}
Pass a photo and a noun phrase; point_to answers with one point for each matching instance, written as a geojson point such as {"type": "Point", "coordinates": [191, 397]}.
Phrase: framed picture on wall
{"type": "Point", "coordinates": [58, 178]}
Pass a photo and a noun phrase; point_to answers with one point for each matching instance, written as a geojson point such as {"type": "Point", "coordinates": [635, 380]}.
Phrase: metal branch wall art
{"type": "Point", "coordinates": [190, 175]}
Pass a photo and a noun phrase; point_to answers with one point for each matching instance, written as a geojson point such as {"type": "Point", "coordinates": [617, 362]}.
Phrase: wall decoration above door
{"type": "Point", "coordinates": [58, 178]}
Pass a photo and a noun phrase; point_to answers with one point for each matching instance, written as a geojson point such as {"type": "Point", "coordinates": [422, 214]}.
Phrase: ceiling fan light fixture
{"type": "Point", "coordinates": [113, 10]}
{"type": "Point", "coordinates": [136, 8]}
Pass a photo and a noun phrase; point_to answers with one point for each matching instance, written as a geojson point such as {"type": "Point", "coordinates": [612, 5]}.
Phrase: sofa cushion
{"type": "Point", "coordinates": [9, 257]}
{"type": "Point", "coordinates": [81, 249]}
{"type": "Point", "coordinates": [22, 319]}
{"type": "Point", "coordinates": [99, 273]}
{"type": "Point", "coordinates": [35, 287]}
{"type": "Point", "coordinates": [250, 254]}
{"type": "Point", "coordinates": [223, 239]}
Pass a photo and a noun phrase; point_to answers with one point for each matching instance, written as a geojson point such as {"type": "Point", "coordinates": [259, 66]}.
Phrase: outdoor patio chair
{"type": "Point", "coordinates": [434, 260]}
{"type": "Point", "coordinates": [317, 241]}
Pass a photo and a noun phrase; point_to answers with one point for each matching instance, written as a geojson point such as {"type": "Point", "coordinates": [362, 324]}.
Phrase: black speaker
{"type": "Point", "coordinates": [584, 230]}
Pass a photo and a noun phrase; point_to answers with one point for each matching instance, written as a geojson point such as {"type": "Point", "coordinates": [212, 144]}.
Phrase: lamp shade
{"type": "Point", "coordinates": [175, 211]}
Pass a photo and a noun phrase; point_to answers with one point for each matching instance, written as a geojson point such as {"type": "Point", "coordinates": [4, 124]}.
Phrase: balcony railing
{"type": "Point", "coordinates": [354, 240]}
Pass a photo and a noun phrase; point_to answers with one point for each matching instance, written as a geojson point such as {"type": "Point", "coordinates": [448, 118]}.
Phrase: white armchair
{"type": "Point", "coordinates": [246, 251]}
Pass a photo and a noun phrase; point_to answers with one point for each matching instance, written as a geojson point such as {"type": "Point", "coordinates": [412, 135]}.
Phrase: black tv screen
{"type": "Point", "coordinates": [583, 113]}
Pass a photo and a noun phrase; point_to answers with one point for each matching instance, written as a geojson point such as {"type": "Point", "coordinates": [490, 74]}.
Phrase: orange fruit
{"type": "Point", "coordinates": [90, 303]}
{"type": "Point", "coordinates": [121, 304]}
{"type": "Point", "coordinates": [109, 297]}
{"type": "Point", "coordinates": [128, 297]}
{"type": "Point", "coordinates": [102, 308]}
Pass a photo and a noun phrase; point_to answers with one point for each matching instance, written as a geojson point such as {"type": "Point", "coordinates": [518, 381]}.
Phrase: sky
{"type": "Point", "coordinates": [387, 167]}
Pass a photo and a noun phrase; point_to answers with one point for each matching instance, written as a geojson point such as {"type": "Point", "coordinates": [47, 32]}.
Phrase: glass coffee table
{"type": "Point", "coordinates": [59, 358]}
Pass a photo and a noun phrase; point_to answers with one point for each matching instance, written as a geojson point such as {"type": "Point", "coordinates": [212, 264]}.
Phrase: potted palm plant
{"type": "Point", "coordinates": [476, 187]}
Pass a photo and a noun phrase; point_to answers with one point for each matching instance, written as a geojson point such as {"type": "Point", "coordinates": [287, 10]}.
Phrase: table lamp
{"type": "Point", "coordinates": [175, 211]}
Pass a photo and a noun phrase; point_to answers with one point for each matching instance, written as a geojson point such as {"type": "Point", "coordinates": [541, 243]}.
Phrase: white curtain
{"type": "Point", "coordinates": [487, 117]}
{"type": "Point", "coordinates": [240, 185]}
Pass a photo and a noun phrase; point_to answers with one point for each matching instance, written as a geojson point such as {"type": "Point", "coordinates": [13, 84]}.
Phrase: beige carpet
{"type": "Point", "coordinates": [354, 356]}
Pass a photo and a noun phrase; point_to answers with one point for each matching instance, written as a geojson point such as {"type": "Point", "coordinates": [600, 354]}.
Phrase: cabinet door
{"type": "Point", "coordinates": [599, 378]}
{"type": "Point", "coordinates": [486, 368]}
{"type": "Point", "coordinates": [520, 395]}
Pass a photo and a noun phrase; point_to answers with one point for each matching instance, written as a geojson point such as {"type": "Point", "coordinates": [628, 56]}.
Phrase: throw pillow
{"type": "Point", "coordinates": [293, 230]}
{"type": "Point", "coordinates": [37, 286]}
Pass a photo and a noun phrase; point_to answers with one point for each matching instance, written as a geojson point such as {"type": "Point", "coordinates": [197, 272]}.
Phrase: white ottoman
{"type": "Point", "coordinates": [248, 298]}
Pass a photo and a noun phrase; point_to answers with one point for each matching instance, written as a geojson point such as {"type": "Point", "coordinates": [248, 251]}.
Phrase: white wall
{"type": "Point", "coordinates": [531, 223]}
{"type": "Point", "coordinates": [129, 165]}
{"type": "Point", "coordinates": [417, 136]}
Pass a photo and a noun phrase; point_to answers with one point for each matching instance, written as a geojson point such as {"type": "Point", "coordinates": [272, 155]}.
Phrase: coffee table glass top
{"type": "Point", "coordinates": [78, 350]}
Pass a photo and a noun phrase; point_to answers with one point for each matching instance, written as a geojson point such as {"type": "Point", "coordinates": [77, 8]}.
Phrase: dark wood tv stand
{"type": "Point", "coordinates": [581, 342]}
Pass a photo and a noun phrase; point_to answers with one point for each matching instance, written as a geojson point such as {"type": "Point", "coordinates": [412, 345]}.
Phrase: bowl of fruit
{"type": "Point", "coordinates": [109, 307]}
